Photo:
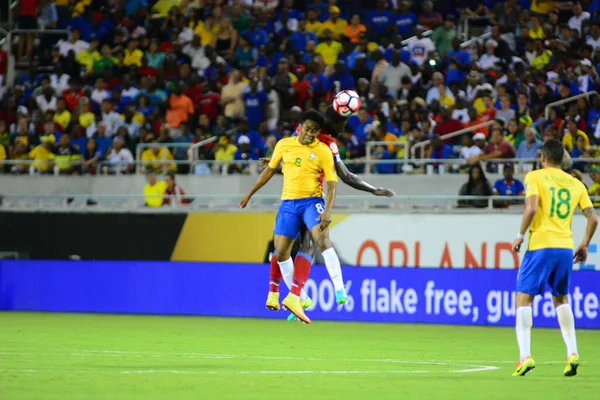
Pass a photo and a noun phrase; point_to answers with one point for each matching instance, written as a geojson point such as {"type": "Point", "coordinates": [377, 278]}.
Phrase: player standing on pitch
{"type": "Point", "coordinates": [551, 199]}
{"type": "Point", "coordinates": [334, 125]}
{"type": "Point", "coordinates": [304, 160]}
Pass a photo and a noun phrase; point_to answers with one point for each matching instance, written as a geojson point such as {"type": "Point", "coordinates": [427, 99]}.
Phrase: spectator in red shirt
{"type": "Point", "coordinates": [27, 20]}
{"type": "Point", "coordinates": [498, 147]}
{"type": "Point", "coordinates": [174, 192]}
{"type": "Point", "coordinates": [430, 18]}
{"type": "Point", "coordinates": [209, 102]}
{"type": "Point", "coordinates": [490, 111]}
{"type": "Point", "coordinates": [447, 124]}
{"type": "Point", "coordinates": [302, 88]}
{"type": "Point", "coordinates": [72, 95]}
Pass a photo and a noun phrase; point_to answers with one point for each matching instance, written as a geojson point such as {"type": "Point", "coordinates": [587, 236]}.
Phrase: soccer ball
{"type": "Point", "coordinates": [346, 103]}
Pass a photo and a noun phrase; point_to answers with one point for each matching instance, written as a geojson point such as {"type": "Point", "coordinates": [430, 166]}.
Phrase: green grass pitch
{"type": "Point", "coordinates": [82, 356]}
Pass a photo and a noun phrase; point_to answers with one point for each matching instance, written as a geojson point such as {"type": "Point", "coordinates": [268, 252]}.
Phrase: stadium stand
{"type": "Point", "coordinates": [106, 86]}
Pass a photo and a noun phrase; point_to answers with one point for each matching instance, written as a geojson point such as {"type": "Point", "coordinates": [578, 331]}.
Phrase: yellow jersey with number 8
{"type": "Point", "coordinates": [302, 167]}
{"type": "Point", "coordinates": [559, 195]}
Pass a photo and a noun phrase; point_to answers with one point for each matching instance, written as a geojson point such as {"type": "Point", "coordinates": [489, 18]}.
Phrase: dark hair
{"type": "Point", "coordinates": [472, 183]}
{"type": "Point", "coordinates": [334, 122]}
{"type": "Point", "coordinates": [313, 115]}
{"type": "Point", "coordinates": [171, 175]}
{"type": "Point", "coordinates": [554, 151]}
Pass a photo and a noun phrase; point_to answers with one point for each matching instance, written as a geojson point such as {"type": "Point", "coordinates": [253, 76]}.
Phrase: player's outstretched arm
{"type": "Point", "coordinates": [262, 180]}
{"type": "Point", "coordinates": [592, 223]}
{"type": "Point", "coordinates": [354, 181]}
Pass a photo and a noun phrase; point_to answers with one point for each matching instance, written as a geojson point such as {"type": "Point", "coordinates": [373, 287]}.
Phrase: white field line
{"type": "Point", "coordinates": [151, 372]}
{"type": "Point", "coordinates": [136, 354]}
{"type": "Point", "coordinates": [466, 368]}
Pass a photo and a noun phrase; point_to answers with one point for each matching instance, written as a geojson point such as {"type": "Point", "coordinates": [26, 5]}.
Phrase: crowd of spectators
{"type": "Point", "coordinates": [182, 71]}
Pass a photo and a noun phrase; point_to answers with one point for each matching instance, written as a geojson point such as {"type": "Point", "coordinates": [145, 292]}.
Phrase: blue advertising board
{"type": "Point", "coordinates": [418, 295]}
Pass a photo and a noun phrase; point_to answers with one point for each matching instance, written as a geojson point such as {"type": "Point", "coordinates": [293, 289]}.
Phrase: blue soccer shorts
{"type": "Point", "coordinates": [293, 214]}
{"type": "Point", "coordinates": [552, 266]}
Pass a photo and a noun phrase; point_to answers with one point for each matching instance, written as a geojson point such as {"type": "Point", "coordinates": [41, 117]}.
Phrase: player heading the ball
{"type": "Point", "coordinates": [304, 159]}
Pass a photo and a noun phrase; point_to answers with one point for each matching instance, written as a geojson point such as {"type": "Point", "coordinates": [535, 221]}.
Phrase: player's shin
{"type": "Point", "coordinates": [302, 264]}
{"type": "Point", "coordinates": [332, 262]}
{"type": "Point", "coordinates": [275, 275]}
{"type": "Point", "coordinates": [524, 323]}
{"type": "Point", "coordinates": [287, 273]}
{"type": "Point", "coordinates": [566, 320]}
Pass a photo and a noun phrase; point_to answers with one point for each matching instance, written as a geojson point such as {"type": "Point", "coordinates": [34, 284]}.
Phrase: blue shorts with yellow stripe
{"type": "Point", "coordinates": [293, 214]}
{"type": "Point", "coordinates": [552, 266]}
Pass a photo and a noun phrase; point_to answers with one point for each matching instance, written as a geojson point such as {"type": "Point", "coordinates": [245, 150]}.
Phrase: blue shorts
{"type": "Point", "coordinates": [552, 266]}
{"type": "Point", "coordinates": [293, 214]}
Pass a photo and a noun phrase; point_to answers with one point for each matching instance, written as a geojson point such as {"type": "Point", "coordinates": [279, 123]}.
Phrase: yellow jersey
{"type": "Point", "coordinates": [559, 194]}
{"type": "Point", "coordinates": [133, 58]}
{"type": "Point", "coordinates": [592, 192]}
{"type": "Point", "coordinates": [569, 140]}
{"type": "Point", "coordinates": [337, 28]}
{"type": "Point", "coordinates": [154, 195]}
{"type": "Point", "coordinates": [314, 27]}
{"type": "Point", "coordinates": [62, 118]}
{"type": "Point", "coordinates": [151, 160]}
{"type": "Point", "coordinates": [329, 52]}
{"type": "Point", "coordinates": [302, 167]}
{"type": "Point", "coordinates": [41, 157]}
{"type": "Point", "coordinates": [542, 6]}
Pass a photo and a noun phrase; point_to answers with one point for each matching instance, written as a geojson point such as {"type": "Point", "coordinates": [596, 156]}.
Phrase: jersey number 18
{"type": "Point", "coordinates": [561, 201]}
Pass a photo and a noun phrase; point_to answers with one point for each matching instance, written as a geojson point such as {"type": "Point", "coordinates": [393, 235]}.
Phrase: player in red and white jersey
{"type": "Point", "coordinates": [334, 125]}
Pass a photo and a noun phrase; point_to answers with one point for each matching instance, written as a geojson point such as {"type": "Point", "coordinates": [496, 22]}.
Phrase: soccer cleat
{"type": "Point", "coordinates": [341, 297]}
{"type": "Point", "coordinates": [306, 304]}
{"type": "Point", "coordinates": [273, 301]}
{"type": "Point", "coordinates": [292, 304]}
{"type": "Point", "coordinates": [524, 367]}
{"type": "Point", "coordinates": [572, 365]}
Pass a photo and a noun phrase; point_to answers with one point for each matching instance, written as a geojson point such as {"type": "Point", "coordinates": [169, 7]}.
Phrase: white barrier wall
{"type": "Point", "coordinates": [231, 185]}
{"type": "Point", "coordinates": [437, 240]}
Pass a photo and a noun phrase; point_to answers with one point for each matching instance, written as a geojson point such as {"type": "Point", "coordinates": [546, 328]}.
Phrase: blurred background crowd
{"type": "Point", "coordinates": [103, 76]}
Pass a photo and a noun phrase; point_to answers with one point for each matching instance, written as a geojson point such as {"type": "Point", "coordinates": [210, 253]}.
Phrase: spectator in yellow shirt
{"type": "Point", "coordinates": [2, 156]}
{"type": "Point", "coordinates": [542, 6]}
{"type": "Point", "coordinates": [225, 151]}
{"type": "Point", "coordinates": [329, 49]}
{"type": "Point", "coordinates": [42, 155]}
{"type": "Point", "coordinates": [153, 158]}
{"type": "Point", "coordinates": [335, 24]}
{"type": "Point", "coordinates": [542, 57]}
{"type": "Point", "coordinates": [88, 57]}
{"type": "Point", "coordinates": [594, 189]}
{"type": "Point", "coordinates": [62, 116]}
{"type": "Point", "coordinates": [208, 31]}
{"type": "Point", "coordinates": [569, 140]}
{"type": "Point", "coordinates": [133, 55]}
{"type": "Point", "coordinates": [162, 7]}
{"type": "Point", "coordinates": [86, 117]}
{"type": "Point", "coordinates": [154, 192]}
{"type": "Point", "coordinates": [535, 29]}
{"type": "Point", "coordinates": [313, 24]}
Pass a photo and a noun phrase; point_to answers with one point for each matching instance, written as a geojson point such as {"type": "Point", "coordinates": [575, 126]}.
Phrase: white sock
{"type": "Point", "coordinates": [332, 262]}
{"type": "Point", "coordinates": [566, 320]}
{"type": "Point", "coordinates": [523, 328]}
{"type": "Point", "coordinates": [287, 273]}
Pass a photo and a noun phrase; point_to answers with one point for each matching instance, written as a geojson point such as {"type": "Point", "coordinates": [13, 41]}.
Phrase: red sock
{"type": "Point", "coordinates": [302, 264]}
{"type": "Point", "coordinates": [275, 275]}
